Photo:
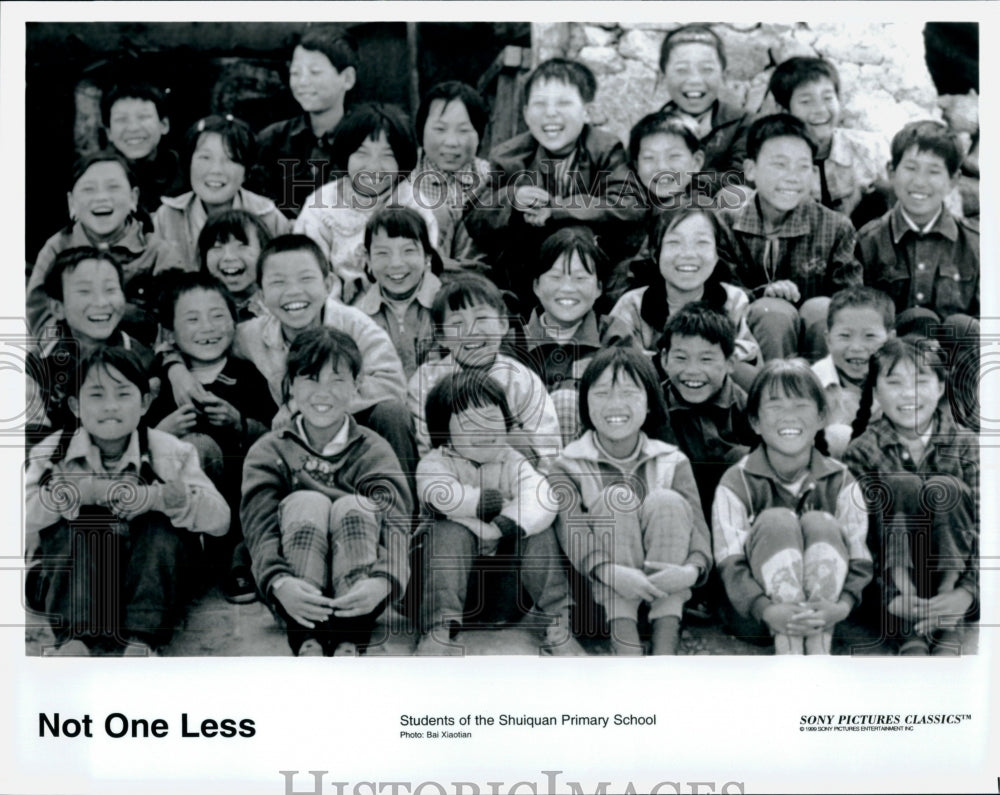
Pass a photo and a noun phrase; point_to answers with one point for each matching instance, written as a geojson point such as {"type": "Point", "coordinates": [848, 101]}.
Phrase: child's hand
{"type": "Point", "coordinates": [76, 492]}
{"type": "Point", "coordinates": [783, 288]}
{"type": "Point", "coordinates": [363, 597]}
{"type": "Point", "coordinates": [303, 601]}
{"type": "Point", "coordinates": [789, 618]}
{"type": "Point", "coordinates": [530, 197]}
{"type": "Point", "coordinates": [538, 217]}
{"type": "Point", "coordinates": [185, 386]}
{"type": "Point", "coordinates": [179, 422]}
{"type": "Point", "coordinates": [944, 610]}
{"type": "Point", "coordinates": [670, 577]}
{"type": "Point", "coordinates": [907, 605]}
{"type": "Point", "coordinates": [127, 497]}
{"type": "Point", "coordinates": [221, 413]}
{"type": "Point", "coordinates": [630, 583]}
{"type": "Point", "coordinates": [826, 614]}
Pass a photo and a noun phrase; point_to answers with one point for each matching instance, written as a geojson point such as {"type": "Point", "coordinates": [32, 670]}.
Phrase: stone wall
{"type": "Point", "coordinates": [884, 80]}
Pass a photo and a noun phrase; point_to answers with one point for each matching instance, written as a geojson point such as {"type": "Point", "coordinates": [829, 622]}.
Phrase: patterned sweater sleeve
{"type": "Point", "coordinates": [730, 530]}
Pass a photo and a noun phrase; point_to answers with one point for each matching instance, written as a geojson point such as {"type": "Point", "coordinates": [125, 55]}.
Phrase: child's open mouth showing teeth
{"type": "Point", "coordinates": [99, 318]}
{"type": "Point", "coordinates": [295, 306]}
{"type": "Point", "coordinates": [694, 384]}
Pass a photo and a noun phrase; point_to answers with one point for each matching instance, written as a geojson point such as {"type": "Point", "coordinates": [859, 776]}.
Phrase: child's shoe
{"type": "Point", "coordinates": [666, 634]}
{"type": "Point", "coordinates": [558, 640]}
{"type": "Point", "coordinates": [136, 647]}
{"type": "Point", "coordinates": [310, 648]}
{"type": "Point", "coordinates": [789, 644]}
{"type": "Point", "coordinates": [346, 648]}
{"type": "Point", "coordinates": [625, 639]}
{"type": "Point", "coordinates": [432, 645]}
{"type": "Point", "coordinates": [238, 587]}
{"type": "Point", "coordinates": [915, 647]}
{"type": "Point", "coordinates": [71, 648]}
{"type": "Point", "coordinates": [947, 642]}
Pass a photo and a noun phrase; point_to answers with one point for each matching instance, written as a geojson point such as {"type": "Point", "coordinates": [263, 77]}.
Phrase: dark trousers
{"type": "Point", "coordinates": [391, 420]}
{"type": "Point", "coordinates": [105, 582]}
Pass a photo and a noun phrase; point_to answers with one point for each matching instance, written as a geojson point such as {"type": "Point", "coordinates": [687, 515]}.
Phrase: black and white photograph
{"type": "Point", "coordinates": [447, 339]}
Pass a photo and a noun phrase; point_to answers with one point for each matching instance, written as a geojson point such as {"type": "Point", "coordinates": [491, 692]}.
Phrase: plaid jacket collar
{"type": "Point", "coordinates": [749, 219]}
{"type": "Point", "coordinates": [586, 334]}
{"type": "Point", "coordinates": [886, 436]}
{"type": "Point", "coordinates": [819, 465]}
{"type": "Point", "coordinates": [944, 226]}
{"type": "Point", "coordinates": [466, 179]}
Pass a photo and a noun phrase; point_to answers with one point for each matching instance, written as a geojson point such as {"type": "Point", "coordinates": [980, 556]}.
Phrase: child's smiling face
{"type": "Point", "coordinates": [618, 407]}
{"type": "Point", "coordinates": [555, 114]}
{"type": "Point", "coordinates": [294, 289]}
{"type": "Point", "coordinates": [397, 263]}
{"type": "Point", "coordinates": [697, 368]}
{"type": "Point", "coordinates": [315, 82]}
{"type": "Point", "coordinates": [323, 399]}
{"type": "Point", "coordinates": [102, 198]}
{"type": "Point", "coordinates": [909, 396]}
{"type": "Point", "coordinates": [215, 176]}
{"type": "Point", "coordinates": [93, 302]}
{"type": "Point", "coordinates": [109, 406]}
{"type": "Point", "coordinates": [688, 255]}
{"type": "Point", "coordinates": [234, 262]}
{"type": "Point", "coordinates": [372, 166]}
{"type": "Point", "coordinates": [693, 75]}
{"type": "Point", "coordinates": [450, 140]}
{"type": "Point", "coordinates": [135, 127]}
{"type": "Point", "coordinates": [787, 424]}
{"type": "Point", "coordinates": [567, 291]}
{"type": "Point", "coordinates": [665, 164]}
{"type": "Point", "coordinates": [473, 334]}
{"type": "Point", "coordinates": [857, 332]}
{"type": "Point", "coordinates": [818, 106]}
{"type": "Point", "coordinates": [479, 433]}
{"type": "Point", "coordinates": [203, 327]}
{"type": "Point", "coordinates": [782, 173]}
{"type": "Point", "coordinates": [921, 181]}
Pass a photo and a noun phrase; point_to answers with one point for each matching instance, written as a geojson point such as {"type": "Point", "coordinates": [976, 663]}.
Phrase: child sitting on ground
{"type": "Point", "coordinates": [375, 146]}
{"type": "Point", "coordinates": [850, 174]}
{"type": "Point", "coordinates": [103, 198]}
{"type": "Point", "coordinates": [789, 525]}
{"type": "Point", "coordinates": [921, 475]}
{"type": "Point", "coordinates": [112, 516]}
{"type": "Point", "coordinates": [561, 172]}
{"type": "Point", "coordinates": [790, 252]}
{"type": "Point", "coordinates": [326, 508]}
{"type": "Point", "coordinates": [403, 263]}
{"type": "Point", "coordinates": [201, 317]}
{"type": "Point", "coordinates": [561, 335]}
{"type": "Point", "coordinates": [859, 320]}
{"type": "Point", "coordinates": [470, 318]}
{"type": "Point", "coordinates": [483, 498]}
{"type": "Point", "coordinates": [630, 519]}
{"type": "Point", "coordinates": [218, 150]}
{"type": "Point", "coordinates": [689, 270]}
{"type": "Point", "coordinates": [228, 248]}
{"type": "Point", "coordinates": [87, 304]}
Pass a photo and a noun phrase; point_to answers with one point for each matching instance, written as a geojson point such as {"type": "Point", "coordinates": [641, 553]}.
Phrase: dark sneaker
{"type": "Point", "coordinates": [310, 648]}
{"type": "Point", "coordinates": [239, 588]}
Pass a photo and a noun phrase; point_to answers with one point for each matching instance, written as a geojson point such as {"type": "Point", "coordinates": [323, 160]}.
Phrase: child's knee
{"type": "Point", "coordinates": [660, 501]}
{"type": "Point", "coordinates": [351, 505]}
{"type": "Point", "coordinates": [820, 527]}
{"type": "Point", "coordinates": [774, 529]}
{"type": "Point", "coordinates": [301, 507]}
{"type": "Point", "coordinates": [620, 497]}
{"type": "Point", "coordinates": [773, 312]}
{"type": "Point", "coordinates": [447, 539]}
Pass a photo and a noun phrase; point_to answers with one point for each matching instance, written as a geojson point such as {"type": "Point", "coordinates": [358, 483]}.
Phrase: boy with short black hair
{"type": "Point", "coordinates": [706, 408]}
{"type": "Point", "coordinates": [790, 252]}
{"type": "Point", "coordinates": [850, 173]}
{"type": "Point", "coordinates": [296, 156]}
{"type": "Point", "coordinates": [918, 252]}
{"type": "Point", "coordinates": [859, 321]}
{"type": "Point", "coordinates": [136, 120]}
{"type": "Point", "coordinates": [562, 171]}
{"type": "Point", "coordinates": [84, 287]}
{"type": "Point", "coordinates": [325, 506]}
{"type": "Point", "coordinates": [471, 320]}
{"type": "Point", "coordinates": [693, 64]}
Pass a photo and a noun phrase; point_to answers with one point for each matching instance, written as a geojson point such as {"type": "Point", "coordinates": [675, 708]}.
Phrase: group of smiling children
{"type": "Point", "coordinates": [587, 364]}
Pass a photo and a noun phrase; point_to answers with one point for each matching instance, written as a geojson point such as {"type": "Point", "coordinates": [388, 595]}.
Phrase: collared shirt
{"type": "Point", "coordinates": [813, 247]}
{"type": "Point", "coordinates": [336, 445]}
{"type": "Point", "coordinates": [292, 163]}
{"type": "Point", "coordinates": [413, 335]}
{"type": "Point", "coordinates": [180, 220]}
{"type": "Point", "coordinates": [937, 269]}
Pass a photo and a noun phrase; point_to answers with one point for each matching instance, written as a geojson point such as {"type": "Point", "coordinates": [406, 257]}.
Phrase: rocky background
{"type": "Point", "coordinates": [884, 79]}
